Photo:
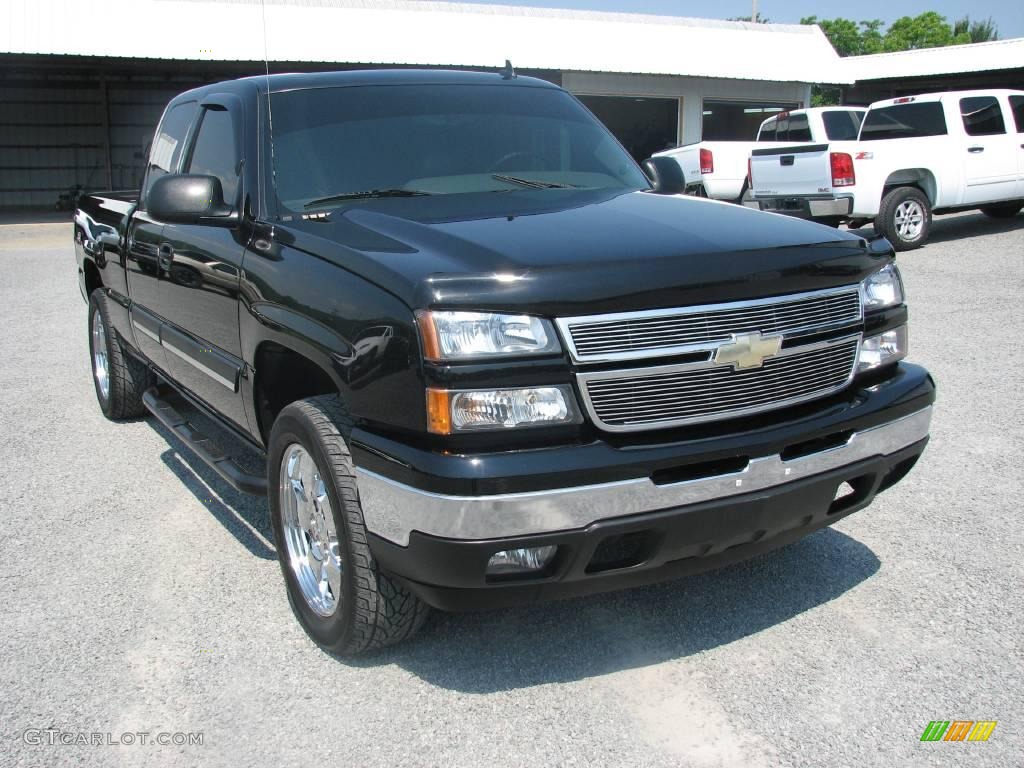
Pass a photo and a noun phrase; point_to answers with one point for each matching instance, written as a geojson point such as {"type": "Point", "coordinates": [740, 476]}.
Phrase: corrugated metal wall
{"type": "Point", "coordinates": [54, 134]}
{"type": "Point", "coordinates": [51, 137]}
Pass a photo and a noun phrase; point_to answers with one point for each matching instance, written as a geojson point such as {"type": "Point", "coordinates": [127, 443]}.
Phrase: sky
{"type": "Point", "coordinates": [1007, 14]}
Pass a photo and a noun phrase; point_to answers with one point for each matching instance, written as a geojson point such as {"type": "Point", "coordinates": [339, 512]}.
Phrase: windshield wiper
{"type": "Point", "coordinates": [370, 193]}
{"type": "Point", "coordinates": [530, 183]}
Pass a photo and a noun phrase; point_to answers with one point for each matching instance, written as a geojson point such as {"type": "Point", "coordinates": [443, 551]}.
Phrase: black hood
{"type": "Point", "coordinates": [563, 252]}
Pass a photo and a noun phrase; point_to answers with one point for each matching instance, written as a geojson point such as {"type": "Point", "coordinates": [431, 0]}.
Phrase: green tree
{"type": "Point", "coordinates": [978, 31]}
{"type": "Point", "coordinates": [871, 37]}
{"type": "Point", "coordinates": [929, 30]}
{"type": "Point", "coordinates": [844, 34]}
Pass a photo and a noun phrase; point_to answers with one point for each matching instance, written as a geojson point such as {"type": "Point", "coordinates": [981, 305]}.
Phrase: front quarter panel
{"type": "Point", "coordinates": [363, 337]}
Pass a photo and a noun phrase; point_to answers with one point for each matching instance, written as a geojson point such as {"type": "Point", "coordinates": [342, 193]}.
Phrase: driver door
{"type": "Point", "coordinates": [198, 295]}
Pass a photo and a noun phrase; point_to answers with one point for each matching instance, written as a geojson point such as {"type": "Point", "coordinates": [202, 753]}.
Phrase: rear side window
{"type": "Point", "coordinates": [982, 116]}
{"type": "Point", "coordinates": [215, 153]}
{"type": "Point", "coordinates": [842, 125]}
{"type": "Point", "coordinates": [165, 152]}
{"type": "Point", "coordinates": [904, 121]}
{"type": "Point", "coordinates": [799, 128]}
{"type": "Point", "coordinates": [767, 132]}
{"type": "Point", "coordinates": [1017, 106]}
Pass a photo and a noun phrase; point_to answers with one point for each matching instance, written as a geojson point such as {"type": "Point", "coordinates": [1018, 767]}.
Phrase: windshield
{"type": "Point", "coordinates": [438, 139]}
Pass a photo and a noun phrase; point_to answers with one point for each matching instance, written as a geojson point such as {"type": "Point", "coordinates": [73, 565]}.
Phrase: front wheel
{"type": "Point", "coordinates": [336, 590]}
{"type": "Point", "coordinates": [1002, 210]}
{"type": "Point", "coordinates": [904, 218]}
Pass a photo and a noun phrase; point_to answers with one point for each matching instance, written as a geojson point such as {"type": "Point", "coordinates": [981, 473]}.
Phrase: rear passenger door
{"type": "Point", "coordinates": [990, 156]}
{"type": "Point", "coordinates": [1017, 115]}
{"type": "Point", "coordinates": [199, 290]}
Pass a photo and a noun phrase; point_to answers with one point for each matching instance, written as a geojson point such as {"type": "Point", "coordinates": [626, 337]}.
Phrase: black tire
{"type": "Point", "coordinates": [1003, 210]}
{"type": "Point", "coordinates": [373, 610]}
{"type": "Point", "coordinates": [127, 377]}
{"type": "Point", "coordinates": [887, 225]}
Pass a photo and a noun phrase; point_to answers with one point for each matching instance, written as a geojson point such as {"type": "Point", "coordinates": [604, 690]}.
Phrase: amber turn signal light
{"type": "Point", "coordinates": [439, 414]}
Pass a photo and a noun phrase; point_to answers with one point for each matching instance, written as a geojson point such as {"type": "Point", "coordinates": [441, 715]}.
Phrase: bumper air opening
{"type": "Point", "coordinates": [700, 470]}
{"type": "Point", "coordinates": [817, 445]}
{"type": "Point", "coordinates": [622, 551]}
{"type": "Point", "coordinates": [851, 493]}
{"type": "Point", "coordinates": [898, 472]}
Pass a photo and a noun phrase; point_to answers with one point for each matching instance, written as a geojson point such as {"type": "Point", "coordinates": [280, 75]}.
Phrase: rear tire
{"type": "Point", "coordinates": [904, 218]}
{"type": "Point", "coordinates": [1003, 210]}
{"type": "Point", "coordinates": [343, 601]}
{"type": "Point", "coordinates": [119, 378]}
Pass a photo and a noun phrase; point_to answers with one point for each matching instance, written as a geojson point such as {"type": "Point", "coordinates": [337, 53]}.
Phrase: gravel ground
{"type": "Point", "coordinates": [141, 594]}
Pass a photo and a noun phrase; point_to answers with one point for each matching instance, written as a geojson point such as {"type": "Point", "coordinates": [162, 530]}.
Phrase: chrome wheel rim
{"type": "Point", "coordinates": [100, 363]}
{"type": "Point", "coordinates": [310, 536]}
{"type": "Point", "coordinates": [909, 219]}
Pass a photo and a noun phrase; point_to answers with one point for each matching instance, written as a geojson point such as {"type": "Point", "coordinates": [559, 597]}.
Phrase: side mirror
{"type": "Point", "coordinates": [189, 199]}
{"type": "Point", "coordinates": [666, 175]}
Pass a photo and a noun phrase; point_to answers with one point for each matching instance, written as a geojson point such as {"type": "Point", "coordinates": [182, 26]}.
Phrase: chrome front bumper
{"type": "Point", "coordinates": [393, 510]}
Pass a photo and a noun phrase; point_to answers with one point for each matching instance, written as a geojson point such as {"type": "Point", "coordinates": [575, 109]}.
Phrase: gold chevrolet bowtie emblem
{"type": "Point", "coordinates": [748, 350]}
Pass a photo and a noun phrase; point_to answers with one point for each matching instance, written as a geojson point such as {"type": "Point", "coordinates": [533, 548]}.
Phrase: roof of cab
{"type": "Point", "coordinates": [299, 80]}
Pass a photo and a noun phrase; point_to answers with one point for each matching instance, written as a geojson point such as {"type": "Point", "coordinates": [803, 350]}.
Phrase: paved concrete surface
{"type": "Point", "coordinates": [139, 593]}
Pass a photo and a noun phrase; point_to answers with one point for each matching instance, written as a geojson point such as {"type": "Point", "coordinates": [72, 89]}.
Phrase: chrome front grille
{"type": "Point", "coordinates": [662, 396]}
{"type": "Point", "coordinates": [659, 333]}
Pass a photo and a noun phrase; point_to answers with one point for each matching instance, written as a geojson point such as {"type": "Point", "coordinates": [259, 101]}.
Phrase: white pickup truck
{"type": "Point", "coordinates": [916, 155]}
{"type": "Point", "coordinates": [718, 169]}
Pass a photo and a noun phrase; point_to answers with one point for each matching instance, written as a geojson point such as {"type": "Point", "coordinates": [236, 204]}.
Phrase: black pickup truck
{"type": "Point", "coordinates": [488, 361]}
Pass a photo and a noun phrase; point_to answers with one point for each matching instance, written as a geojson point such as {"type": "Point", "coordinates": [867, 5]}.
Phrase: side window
{"type": "Point", "coordinates": [904, 121]}
{"type": "Point", "coordinates": [215, 153]}
{"type": "Point", "coordinates": [799, 128]}
{"type": "Point", "coordinates": [169, 143]}
{"type": "Point", "coordinates": [982, 116]}
{"type": "Point", "coordinates": [1017, 106]}
{"type": "Point", "coordinates": [768, 130]}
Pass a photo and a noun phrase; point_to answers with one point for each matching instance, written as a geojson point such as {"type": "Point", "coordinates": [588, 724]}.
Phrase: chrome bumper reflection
{"type": "Point", "coordinates": [393, 510]}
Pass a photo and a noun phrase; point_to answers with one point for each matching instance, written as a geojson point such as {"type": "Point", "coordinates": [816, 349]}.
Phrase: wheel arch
{"type": "Point", "coordinates": [922, 178]}
{"type": "Point", "coordinates": [284, 374]}
{"type": "Point", "coordinates": [91, 275]}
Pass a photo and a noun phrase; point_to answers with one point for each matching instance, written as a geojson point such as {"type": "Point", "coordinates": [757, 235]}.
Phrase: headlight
{"type": "Point", "coordinates": [468, 335]}
{"type": "Point", "coordinates": [449, 412]}
{"type": "Point", "coordinates": [882, 289]}
{"type": "Point", "coordinates": [884, 348]}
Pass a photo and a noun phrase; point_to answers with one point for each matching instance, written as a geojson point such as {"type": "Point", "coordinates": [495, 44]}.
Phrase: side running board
{"type": "Point", "coordinates": [204, 447]}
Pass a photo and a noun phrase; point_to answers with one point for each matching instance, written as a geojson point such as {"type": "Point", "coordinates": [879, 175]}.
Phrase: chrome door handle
{"type": "Point", "coordinates": [165, 256]}
{"type": "Point", "coordinates": [975, 149]}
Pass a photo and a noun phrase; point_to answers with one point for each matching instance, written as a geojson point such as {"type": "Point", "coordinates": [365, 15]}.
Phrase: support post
{"type": "Point", "coordinates": [107, 150]}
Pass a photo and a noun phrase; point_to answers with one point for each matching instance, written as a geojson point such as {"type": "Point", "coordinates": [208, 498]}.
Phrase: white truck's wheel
{"type": "Point", "coordinates": [904, 218]}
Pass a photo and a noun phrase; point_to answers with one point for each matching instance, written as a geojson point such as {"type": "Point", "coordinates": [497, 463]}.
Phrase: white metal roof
{"type": "Point", "coordinates": [923, 62]}
{"type": "Point", "coordinates": [419, 33]}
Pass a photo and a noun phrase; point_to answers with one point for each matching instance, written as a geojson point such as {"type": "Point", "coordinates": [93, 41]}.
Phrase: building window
{"type": "Point", "coordinates": [738, 120]}
{"type": "Point", "coordinates": [643, 125]}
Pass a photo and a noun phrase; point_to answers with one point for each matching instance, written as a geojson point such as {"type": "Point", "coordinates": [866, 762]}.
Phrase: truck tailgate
{"type": "Point", "coordinates": [791, 171]}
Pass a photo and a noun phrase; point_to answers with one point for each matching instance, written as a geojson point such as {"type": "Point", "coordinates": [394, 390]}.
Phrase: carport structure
{"type": "Point", "coordinates": [997, 64]}
{"type": "Point", "coordinates": [82, 84]}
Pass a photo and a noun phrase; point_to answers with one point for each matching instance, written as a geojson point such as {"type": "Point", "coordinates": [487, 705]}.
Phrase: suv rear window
{"type": "Point", "coordinates": [842, 125]}
{"type": "Point", "coordinates": [982, 116]}
{"type": "Point", "coordinates": [904, 121]}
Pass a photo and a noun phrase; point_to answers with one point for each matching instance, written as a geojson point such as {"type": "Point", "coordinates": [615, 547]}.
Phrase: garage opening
{"type": "Point", "coordinates": [738, 120]}
{"type": "Point", "coordinates": [643, 125]}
